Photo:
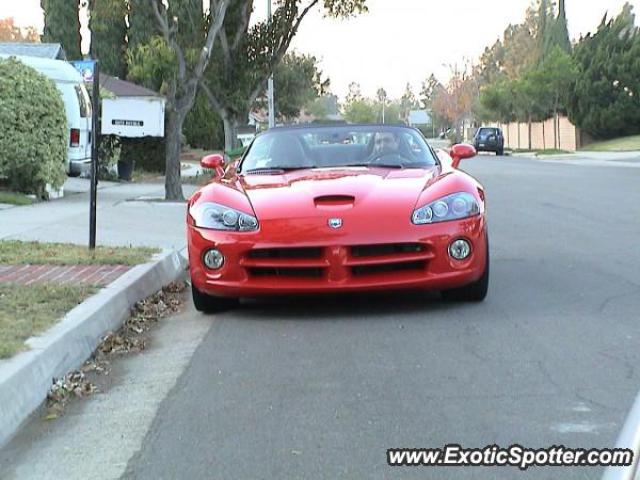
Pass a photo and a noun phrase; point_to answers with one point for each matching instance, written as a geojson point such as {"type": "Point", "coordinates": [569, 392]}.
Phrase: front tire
{"type": "Point", "coordinates": [208, 304]}
{"type": "Point", "coordinates": [473, 292]}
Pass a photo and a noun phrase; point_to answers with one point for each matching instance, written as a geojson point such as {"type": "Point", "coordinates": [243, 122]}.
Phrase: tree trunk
{"type": "Point", "coordinates": [508, 134]}
{"type": "Point", "coordinates": [544, 142]}
{"type": "Point", "coordinates": [230, 132]}
{"type": "Point", "coordinates": [172, 181]}
{"type": "Point", "coordinates": [557, 128]}
{"type": "Point", "coordinates": [529, 133]}
{"type": "Point", "coordinates": [228, 137]}
{"type": "Point", "coordinates": [556, 123]}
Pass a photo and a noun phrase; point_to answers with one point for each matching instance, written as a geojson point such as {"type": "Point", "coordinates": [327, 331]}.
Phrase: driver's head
{"type": "Point", "coordinates": [386, 142]}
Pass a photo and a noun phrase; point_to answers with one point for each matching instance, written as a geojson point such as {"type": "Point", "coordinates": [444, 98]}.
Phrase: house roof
{"type": "Point", "coordinates": [121, 88]}
{"type": "Point", "coordinates": [43, 50]}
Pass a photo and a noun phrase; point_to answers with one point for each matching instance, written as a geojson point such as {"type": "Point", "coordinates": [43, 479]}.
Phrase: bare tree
{"type": "Point", "coordinates": [184, 84]}
{"type": "Point", "coordinates": [455, 100]}
{"type": "Point", "coordinates": [249, 54]}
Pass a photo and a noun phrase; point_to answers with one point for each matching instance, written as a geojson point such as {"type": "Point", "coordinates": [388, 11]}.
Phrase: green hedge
{"type": "Point", "coordinates": [33, 130]}
{"type": "Point", "coordinates": [109, 154]}
{"type": "Point", "coordinates": [147, 153]}
{"type": "Point", "coordinates": [203, 127]}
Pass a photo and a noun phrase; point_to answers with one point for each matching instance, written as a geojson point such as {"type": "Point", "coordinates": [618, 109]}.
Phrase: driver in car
{"type": "Point", "coordinates": [386, 143]}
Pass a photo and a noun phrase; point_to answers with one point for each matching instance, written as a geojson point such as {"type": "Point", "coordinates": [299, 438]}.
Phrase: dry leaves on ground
{"type": "Point", "coordinates": [130, 338]}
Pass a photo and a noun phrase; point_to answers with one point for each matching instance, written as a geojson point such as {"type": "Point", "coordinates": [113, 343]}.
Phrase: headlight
{"type": "Point", "coordinates": [219, 217]}
{"type": "Point", "coordinates": [452, 207]}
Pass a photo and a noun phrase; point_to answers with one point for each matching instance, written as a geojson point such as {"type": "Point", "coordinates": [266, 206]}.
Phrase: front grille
{"type": "Point", "coordinates": [324, 264]}
{"type": "Point", "coordinates": [310, 252]}
{"type": "Point", "coordinates": [299, 272]}
{"type": "Point", "coordinates": [386, 249]}
{"type": "Point", "coordinates": [362, 270]}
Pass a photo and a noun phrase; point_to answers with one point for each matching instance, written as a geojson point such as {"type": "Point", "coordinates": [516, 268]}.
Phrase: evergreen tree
{"type": "Point", "coordinates": [62, 25]}
{"type": "Point", "coordinates": [108, 35]}
{"type": "Point", "coordinates": [191, 20]}
{"type": "Point", "coordinates": [545, 27]}
{"type": "Point", "coordinates": [142, 24]}
{"type": "Point", "coordinates": [542, 30]}
{"type": "Point", "coordinates": [520, 46]}
{"type": "Point", "coordinates": [605, 98]}
{"type": "Point", "coordinates": [407, 103]}
{"type": "Point", "coordinates": [560, 30]}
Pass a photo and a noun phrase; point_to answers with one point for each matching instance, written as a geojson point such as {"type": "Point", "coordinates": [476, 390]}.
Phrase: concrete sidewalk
{"type": "Point", "coordinates": [587, 159]}
{"type": "Point", "coordinates": [123, 217]}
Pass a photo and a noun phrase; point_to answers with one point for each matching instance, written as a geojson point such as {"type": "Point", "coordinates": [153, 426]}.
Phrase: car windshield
{"type": "Point", "coordinates": [338, 146]}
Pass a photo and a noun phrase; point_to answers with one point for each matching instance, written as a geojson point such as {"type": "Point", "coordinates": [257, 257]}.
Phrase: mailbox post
{"type": "Point", "coordinates": [90, 71]}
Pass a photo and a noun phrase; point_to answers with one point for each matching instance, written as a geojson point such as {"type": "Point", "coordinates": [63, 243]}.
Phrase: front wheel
{"type": "Point", "coordinates": [500, 152]}
{"type": "Point", "coordinates": [208, 304]}
{"type": "Point", "coordinates": [473, 292]}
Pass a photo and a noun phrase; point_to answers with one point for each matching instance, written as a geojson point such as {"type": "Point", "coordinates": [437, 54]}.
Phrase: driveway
{"type": "Point", "coordinates": [128, 214]}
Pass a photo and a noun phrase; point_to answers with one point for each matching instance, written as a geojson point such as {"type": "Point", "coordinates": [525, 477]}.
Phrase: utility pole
{"type": "Point", "coordinates": [382, 98]}
{"type": "Point", "coordinates": [272, 114]}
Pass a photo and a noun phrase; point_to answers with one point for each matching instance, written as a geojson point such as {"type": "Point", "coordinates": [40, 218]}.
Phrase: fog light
{"type": "Point", "coordinates": [460, 249]}
{"type": "Point", "coordinates": [213, 259]}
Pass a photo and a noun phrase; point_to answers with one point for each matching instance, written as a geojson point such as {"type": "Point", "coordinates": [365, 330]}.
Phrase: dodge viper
{"type": "Point", "coordinates": [339, 208]}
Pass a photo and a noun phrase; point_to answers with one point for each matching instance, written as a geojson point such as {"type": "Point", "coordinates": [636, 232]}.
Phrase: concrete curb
{"type": "Point", "coordinates": [26, 378]}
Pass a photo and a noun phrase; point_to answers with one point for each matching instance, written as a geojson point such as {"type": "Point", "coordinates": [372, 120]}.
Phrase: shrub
{"type": "Point", "coordinates": [33, 130]}
{"type": "Point", "coordinates": [203, 126]}
{"type": "Point", "coordinates": [109, 154]}
{"type": "Point", "coordinates": [147, 153]}
{"type": "Point", "coordinates": [426, 130]}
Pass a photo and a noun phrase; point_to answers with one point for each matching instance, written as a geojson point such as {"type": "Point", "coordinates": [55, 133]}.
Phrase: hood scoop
{"type": "Point", "coordinates": [334, 201]}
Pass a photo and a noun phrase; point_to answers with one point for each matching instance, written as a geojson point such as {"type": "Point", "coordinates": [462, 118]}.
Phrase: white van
{"type": "Point", "coordinates": [76, 104]}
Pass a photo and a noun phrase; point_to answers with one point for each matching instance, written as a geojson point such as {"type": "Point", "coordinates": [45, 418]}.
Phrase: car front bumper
{"type": "Point", "coordinates": [259, 264]}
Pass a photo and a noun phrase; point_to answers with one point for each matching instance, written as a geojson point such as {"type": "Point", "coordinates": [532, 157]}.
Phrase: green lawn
{"type": "Point", "coordinates": [14, 198]}
{"type": "Point", "coordinates": [622, 144]}
{"type": "Point", "coordinates": [26, 311]}
{"type": "Point", "coordinates": [17, 252]}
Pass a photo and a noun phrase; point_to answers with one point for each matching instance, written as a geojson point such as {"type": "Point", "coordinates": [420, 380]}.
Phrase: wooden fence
{"type": "Point", "coordinates": [544, 135]}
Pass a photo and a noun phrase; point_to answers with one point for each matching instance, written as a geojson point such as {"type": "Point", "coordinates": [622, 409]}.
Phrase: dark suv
{"type": "Point", "coordinates": [489, 139]}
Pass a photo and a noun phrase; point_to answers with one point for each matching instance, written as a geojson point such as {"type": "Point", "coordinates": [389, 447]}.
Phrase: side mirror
{"type": "Point", "coordinates": [213, 162]}
{"type": "Point", "coordinates": [460, 151]}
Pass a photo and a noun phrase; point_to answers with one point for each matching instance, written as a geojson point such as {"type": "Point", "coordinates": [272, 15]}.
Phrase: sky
{"type": "Point", "coordinates": [398, 41]}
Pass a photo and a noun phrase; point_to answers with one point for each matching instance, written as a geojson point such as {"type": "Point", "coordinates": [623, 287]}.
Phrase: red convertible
{"type": "Point", "coordinates": [340, 208]}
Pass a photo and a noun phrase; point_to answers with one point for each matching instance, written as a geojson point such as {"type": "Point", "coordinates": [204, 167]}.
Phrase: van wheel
{"type": "Point", "coordinates": [208, 304]}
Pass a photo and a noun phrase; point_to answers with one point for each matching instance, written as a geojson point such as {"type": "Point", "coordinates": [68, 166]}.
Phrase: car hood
{"type": "Point", "coordinates": [313, 192]}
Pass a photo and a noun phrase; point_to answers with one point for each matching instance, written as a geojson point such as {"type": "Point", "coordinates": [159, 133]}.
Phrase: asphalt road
{"type": "Point", "coordinates": [319, 389]}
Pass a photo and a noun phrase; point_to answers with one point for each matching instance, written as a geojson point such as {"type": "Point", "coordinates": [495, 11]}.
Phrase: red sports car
{"type": "Point", "coordinates": [340, 208]}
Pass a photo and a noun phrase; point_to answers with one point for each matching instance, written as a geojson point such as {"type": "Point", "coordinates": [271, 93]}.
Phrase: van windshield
{"type": "Point", "coordinates": [84, 101]}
